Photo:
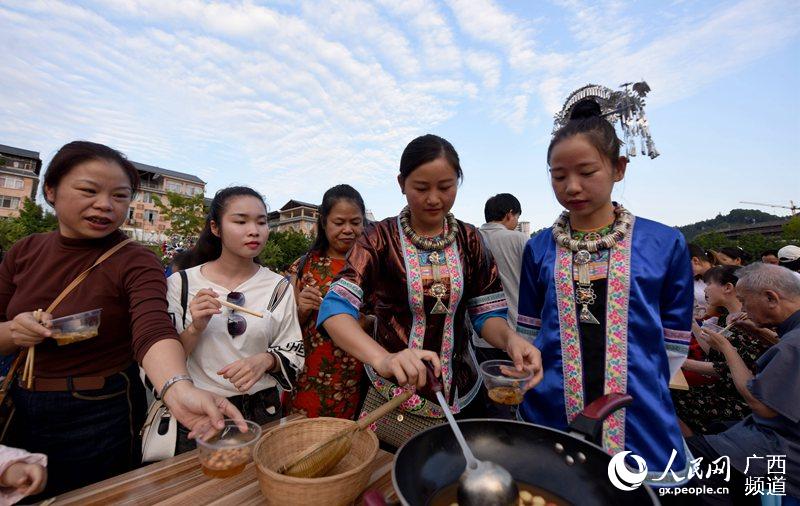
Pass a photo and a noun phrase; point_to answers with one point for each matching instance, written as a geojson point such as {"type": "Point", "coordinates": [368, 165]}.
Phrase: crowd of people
{"type": "Point", "coordinates": [603, 302]}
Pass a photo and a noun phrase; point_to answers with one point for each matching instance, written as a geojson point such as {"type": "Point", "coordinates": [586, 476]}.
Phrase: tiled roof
{"type": "Point", "coordinates": [297, 203]}
{"type": "Point", "coordinates": [11, 150]}
{"type": "Point", "coordinates": [166, 172]}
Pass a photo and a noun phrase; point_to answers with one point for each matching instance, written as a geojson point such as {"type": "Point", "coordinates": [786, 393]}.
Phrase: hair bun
{"type": "Point", "coordinates": [586, 108]}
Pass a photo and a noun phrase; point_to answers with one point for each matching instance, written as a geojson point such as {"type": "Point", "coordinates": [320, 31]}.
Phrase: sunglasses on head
{"type": "Point", "coordinates": [236, 322]}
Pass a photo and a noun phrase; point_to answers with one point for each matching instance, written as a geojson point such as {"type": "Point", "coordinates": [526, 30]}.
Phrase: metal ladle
{"type": "Point", "coordinates": [483, 483]}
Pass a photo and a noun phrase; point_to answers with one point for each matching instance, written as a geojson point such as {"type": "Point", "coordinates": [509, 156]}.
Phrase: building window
{"type": "Point", "coordinates": [171, 186]}
{"type": "Point", "coordinates": [151, 216]}
{"type": "Point", "coordinates": [147, 197]}
{"type": "Point", "coordinates": [9, 202]}
{"type": "Point", "coordinates": [130, 213]}
{"type": "Point", "coordinates": [15, 183]}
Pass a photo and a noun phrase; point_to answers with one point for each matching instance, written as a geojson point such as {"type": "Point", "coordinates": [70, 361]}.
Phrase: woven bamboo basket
{"type": "Point", "coordinates": [342, 485]}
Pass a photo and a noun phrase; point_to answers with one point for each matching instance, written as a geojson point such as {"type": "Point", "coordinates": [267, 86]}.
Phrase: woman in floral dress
{"type": "Point", "coordinates": [330, 382]}
{"type": "Point", "coordinates": [705, 408]}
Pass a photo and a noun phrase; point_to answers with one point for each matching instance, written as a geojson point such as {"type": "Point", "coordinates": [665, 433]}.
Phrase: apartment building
{"type": "Point", "coordinates": [19, 178]}
{"type": "Point", "coordinates": [144, 223]}
{"type": "Point", "coordinates": [524, 227]}
{"type": "Point", "coordinates": [295, 215]}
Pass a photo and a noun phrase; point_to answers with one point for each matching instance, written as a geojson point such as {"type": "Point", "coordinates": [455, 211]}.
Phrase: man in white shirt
{"type": "Point", "coordinates": [506, 244]}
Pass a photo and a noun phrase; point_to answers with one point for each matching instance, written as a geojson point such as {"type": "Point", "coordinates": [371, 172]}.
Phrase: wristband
{"type": "Point", "coordinates": [172, 381]}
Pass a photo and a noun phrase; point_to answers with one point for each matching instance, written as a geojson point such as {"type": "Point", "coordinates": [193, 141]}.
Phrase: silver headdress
{"type": "Point", "coordinates": [625, 106]}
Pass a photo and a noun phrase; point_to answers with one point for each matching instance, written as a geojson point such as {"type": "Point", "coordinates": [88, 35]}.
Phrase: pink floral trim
{"type": "Point", "coordinates": [487, 308]}
{"type": "Point", "coordinates": [571, 361]}
{"type": "Point", "coordinates": [448, 333]}
{"type": "Point", "coordinates": [678, 335]}
{"type": "Point", "coordinates": [597, 269]}
{"type": "Point", "coordinates": [616, 376]}
{"type": "Point", "coordinates": [415, 404]}
{"type": "Point", "coordinates": [529, 320]}
{"type": "Point", "coordinates": [347, 295]}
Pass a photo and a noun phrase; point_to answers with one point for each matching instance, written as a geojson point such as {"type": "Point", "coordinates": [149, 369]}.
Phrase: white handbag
{"type": "Point", "coordinates": [159, 433]}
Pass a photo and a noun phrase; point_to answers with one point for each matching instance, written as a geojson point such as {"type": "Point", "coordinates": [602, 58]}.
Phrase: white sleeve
{"type": "Point", "coordinates": [287, 341]}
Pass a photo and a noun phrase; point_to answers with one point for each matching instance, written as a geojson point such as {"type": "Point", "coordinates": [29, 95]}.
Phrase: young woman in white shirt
{"type": "Point", "coordinates": [232, 353]}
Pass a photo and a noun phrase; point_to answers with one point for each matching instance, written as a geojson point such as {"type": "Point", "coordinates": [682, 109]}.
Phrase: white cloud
{"type": "Point", "coordinates": [485, 21]}
{"type": "Point", "coordinates": [487, 66]}
{"type": "Point", "coordinates": [438, 47]}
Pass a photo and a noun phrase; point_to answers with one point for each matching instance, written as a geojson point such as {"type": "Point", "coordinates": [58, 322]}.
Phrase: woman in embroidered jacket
{"type": "Point", "coordinates": [608, 299]}
{"type": "Point", "coordinates": [421, 270]}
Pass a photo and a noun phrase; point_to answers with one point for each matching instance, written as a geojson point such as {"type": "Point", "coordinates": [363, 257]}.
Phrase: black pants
{"type": "Point", "coordinates": [87, 435]}
{"type": "Point", "coordinates": [262, 407]}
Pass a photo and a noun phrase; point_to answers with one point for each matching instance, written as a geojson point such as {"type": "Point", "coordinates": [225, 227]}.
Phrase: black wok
{"type": "Point", "coordinates": [556, 461]}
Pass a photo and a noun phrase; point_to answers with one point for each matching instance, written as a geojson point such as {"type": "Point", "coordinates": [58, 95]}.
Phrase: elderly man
{"type": "Point", "coordinates": [771, 297]}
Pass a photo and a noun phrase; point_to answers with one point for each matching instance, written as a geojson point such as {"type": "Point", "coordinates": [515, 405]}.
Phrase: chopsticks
{"type": "Point", "coordinates": [734, 322]}
{"type": "Point", "coordinates": [236, 307]}
{"type": "Point", "coordinates": [27, 370]}
{"type": "Point", "coordinates": [742, 316]}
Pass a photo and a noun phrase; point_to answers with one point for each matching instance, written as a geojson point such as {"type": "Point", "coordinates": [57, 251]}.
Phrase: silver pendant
{"type": "Point", "coordinates": [586, 316]}
{"type": "Point", "coordinates": [582, 257]}
{"type": "Point", "coordinates": [438, 290]}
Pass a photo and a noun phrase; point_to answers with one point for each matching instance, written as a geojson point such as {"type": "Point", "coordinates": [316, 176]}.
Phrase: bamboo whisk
{"type": "Point", "coordinates": [322, 457]}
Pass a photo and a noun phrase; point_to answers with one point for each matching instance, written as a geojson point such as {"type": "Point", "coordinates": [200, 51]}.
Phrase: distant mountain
{"type": "Point", "coordinates": [735, 218]}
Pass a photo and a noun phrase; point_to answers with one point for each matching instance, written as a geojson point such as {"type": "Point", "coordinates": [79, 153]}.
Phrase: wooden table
{"type": "Point", "coordinates": [180, 481]}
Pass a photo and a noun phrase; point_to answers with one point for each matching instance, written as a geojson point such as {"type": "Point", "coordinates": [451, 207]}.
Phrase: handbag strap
{"type": "Point", "coordinates": [184, 295]}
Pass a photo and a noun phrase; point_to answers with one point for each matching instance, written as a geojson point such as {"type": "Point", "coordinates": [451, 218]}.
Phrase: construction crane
{"type": "Point", "coordinates": [793, 208]}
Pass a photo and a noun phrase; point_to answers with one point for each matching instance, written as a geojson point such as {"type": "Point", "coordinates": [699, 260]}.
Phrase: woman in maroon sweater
{"type": "Point", "coordinates": [86, 405]}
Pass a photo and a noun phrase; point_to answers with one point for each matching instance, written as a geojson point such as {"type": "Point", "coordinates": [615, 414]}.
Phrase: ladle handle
{"type": "Point", "coordinates": [430, 376]}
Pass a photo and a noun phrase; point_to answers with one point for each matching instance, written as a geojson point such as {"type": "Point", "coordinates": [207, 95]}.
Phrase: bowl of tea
{"type": "Point", "coordinates": [230, 450]}
{"type": "Point", "coordinates": [77, 327]}
{"type": "Point", "coordinates": [504, 383]}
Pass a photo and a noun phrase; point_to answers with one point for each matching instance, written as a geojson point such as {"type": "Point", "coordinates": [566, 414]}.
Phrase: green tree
{"type": "Point", "coordinates": [35, 219]}
{"type": "Point", "coordinates": [11, 231]}
{"type": "Point", "coordinates": [755, 244]}
{"type": "Point", "coordinates": [185, 214]}
{"type": "Point", "coordinates": [283, 248]}
{"type": "Point", "coordinates": [791, 230]}
{"type": "Point", "coordinates": [713, 240]}
{"type": "Point", "coordinates": [32, 219]}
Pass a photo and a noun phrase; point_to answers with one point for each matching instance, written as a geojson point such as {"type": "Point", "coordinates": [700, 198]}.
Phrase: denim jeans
{"type": "Point", "coordinates": [262, 407]}
{"type": "Point", "coordinates": [87, 435]}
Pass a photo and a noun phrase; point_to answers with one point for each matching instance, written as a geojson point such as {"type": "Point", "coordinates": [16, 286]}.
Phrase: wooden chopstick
{"type": "Point", "coordinates": [27, 371]}
{"type": "Point", "coordinates": [235, 307]}
{"type": "Point", "coordinates": [734, 322]}
{"type": "Point", "coordinates": [731, 324]}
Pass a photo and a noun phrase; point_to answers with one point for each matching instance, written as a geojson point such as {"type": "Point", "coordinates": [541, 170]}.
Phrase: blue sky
{"type": "Point", "coordinates": [294, 97]}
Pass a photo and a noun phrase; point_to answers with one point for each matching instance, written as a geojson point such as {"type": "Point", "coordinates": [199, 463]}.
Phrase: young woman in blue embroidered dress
{"type": "Point", "coordinates": [423, 270]}
{"type": "Point", "coordinates": [608, 298]}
